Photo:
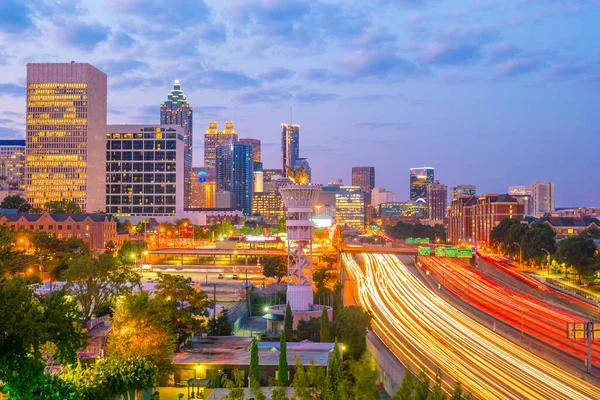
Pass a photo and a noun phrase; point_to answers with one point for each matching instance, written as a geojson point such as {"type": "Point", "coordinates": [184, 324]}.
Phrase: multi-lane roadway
{"type": "Point", "coordinates": [425, 331]}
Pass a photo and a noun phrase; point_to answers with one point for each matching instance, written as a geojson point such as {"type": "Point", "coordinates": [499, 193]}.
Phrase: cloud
{"type": "Point", "coordinates": [454, 47]}
{"type": "Point", "coordinates": [323, 75]}
{"type": "Point", "coordinates": [15, 17]}
{"type": "Point", "coordinates": [458, 77]}
{"type": "Point", "coordinates": [10, 133]}
{"type": "Point", "coordinates": [12, 89]}
{"type": "Point", "coordinates": [518, 66]}
{"type": "Point", "coordinates": [562, 71]}
{"type": "Point", "coordinates": [137, 82]}
{"type": "Point", "coordinates": [83, 36]}
{"type": "Point", "coordinates": [150, 112]}
{"type": "Point", "coordinates": [14, 114]}
{"type": "Point", "coordinates": [383, 125]}
{"type": "Point", "coordinates": [364, 64]}
{"type": "Point", "coordinates": [222, 80]}
{"type": "Point", "coordinates": [590, 80]}
{"type": "Point", "coordinates": [276, 73]}
{"type": "Point", "coordinates": [211, 33]}
{"type": "Point", "coordinates": [118, 67]}
{"type": "Point", "coordinates": [115, 111]}
{"type": "Point", "coordinates": [180, 15]}
{"type": "Point", "coordinates": [122, 40]}
{"type": "Point", "coordinates": [502, 52]}
{"type": "Point", "coordinates": [209, 111]}
{"type": "Point", "coordinates": [373, 39]}
{"type": "Point", "coordinates": [262, 96]}
{"type": "Point", "coordinates": [315, 97]}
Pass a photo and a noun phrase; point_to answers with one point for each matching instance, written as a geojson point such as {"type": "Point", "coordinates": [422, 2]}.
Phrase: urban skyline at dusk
{"type": "Point", "coordinates": [488, 95]}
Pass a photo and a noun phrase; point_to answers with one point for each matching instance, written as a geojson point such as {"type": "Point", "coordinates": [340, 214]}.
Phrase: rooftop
{"type": "Point", "coordinates": [59, 217]}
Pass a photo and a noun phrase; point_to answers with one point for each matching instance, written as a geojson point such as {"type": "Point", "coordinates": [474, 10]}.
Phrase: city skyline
{"type": "Point", "coordinates": [380, 92]}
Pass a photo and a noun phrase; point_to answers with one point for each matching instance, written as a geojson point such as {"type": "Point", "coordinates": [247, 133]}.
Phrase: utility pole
{"type": "Point", "coordinates": [215, 302]}
{"type": "Point", "coordinates": [586, 329]}
{"type": "Point", "coordinates": [547, 252]}
{"type": "Point", "coordinates": [520, 254]}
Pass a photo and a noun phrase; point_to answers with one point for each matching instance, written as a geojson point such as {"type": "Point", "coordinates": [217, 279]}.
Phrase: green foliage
{"type": "Point", "coordinates": [593, 232]}
{"type": "Point", "coordinates": [350, 326]}
{"type": "Point", "coordinates": [308, 330]}
{"type": "Point", "coordinates": [422, 388]}
{"type": "Point", "coordinates": [437, 392]}
{"type": "Point", "coordinates": [309, 382]}
{"type": "Point", "coordinates": [578, 251]}
{"type": "Point", "coordinates": [125, 227]}
{"type": "Point", "coordinates": [131, 252]}
{"type": "Point", "coordinates": [63, 206]}
{"type": "Point", "coordinates": [403, 231]}
{"type": "Point", "coordinates": [288, 323]}
{"type": "Point", "coordinates": [365, 378]}
{"type": "Point", "coordinates": [282, 370]}
{"type": "Point", "coordinates": [325, 327]}
{"type": "Point", "coordinates": [539, 236]}
{"type": "Point", "coordinates": [140, 327]}
{"type": "Point", "coordinates": [254, 374]}
{"type": "Point", "coordinates": [407, 387]}
{"type": "Point", "coordinates": [458, 394]}
{"type": "Point", "coordinates": [508, 232]}
{"type": "Point", "coordinates": [219, 326]}
{"type": "Point", "coordinates": [31, 383]}
{"type": "Point", "coordinates": [8, 254]}
{"type": "Point", "coordinates": [278, 393]}
{"type": "Point", "coordinates": [275, 267]}
{"type": "Point", "coordinates": [185, 303]}
{"type": "Point", "coordinates": [334, 381]}
{"type": "Point", "coordinates": [235, 385]}
{"type": "Point", "coordinates": [15, 202]}
{"type": "Point", "coordinates": [330, 255]}
{"type": "Point", "coordinates": [95, 281]}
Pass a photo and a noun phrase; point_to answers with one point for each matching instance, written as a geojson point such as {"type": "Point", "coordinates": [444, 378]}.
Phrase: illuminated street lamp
{"type": "Point", "coordinates": [520, 253]}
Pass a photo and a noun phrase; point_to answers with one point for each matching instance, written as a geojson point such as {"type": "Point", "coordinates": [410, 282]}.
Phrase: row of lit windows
{"type": "Point", "coordinates": [56, 85]}
{"type": "Point", "coordinates": [40, 106]}
{"type": "Point", "coordinates": [141, 144]}
{"type": "Point", "coordinates": [137, 178]}
{"type": "Point", "coordinates": [61, 121]}
{"type": "Point", "coordinates": [140, 210]}
{"type": "Point", "coordinates": [52, 98]}
{"type": "Point", "coordinates": [141, 200]}
{"type": "Point", "coordinates": [64, 164]}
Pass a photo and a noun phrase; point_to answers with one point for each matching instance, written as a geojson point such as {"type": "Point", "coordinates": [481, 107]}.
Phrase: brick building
{"type": "Point", "coordinates": [570, 226]}
{"type": "Point", "coordinates": [94, 229]}
{"type": "Point", "coordinates": [471, 219]}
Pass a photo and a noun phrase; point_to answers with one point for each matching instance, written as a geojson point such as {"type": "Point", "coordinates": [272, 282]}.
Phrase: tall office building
{"type": "Point", "coordinates": [437, 200]}
{"type": "Point", "coordinates": [380, 196]}
{"type": "Point", "coordinates": [255, 143]}
{"type": "Point", "coordinates": [364, 177]}
{"type": "Point", "coordinates": [144, 171]}
{"type": "Point", "coordinates": [290, 145]}
{"type": "Point", "coordinates": [268, 205]}
{"type": "Point", "coordinates": [234, 173]}
{"type": "Point", "coordinates": [419, 179]}
{"type": "Point", "coordinates": [12, 164]}
{"type": "Point", "coordinates": [66, 135]}
{"type": "Point", "coordinates": [350, 206]}
{"type": "Point", "coordinates": [462, 191]}
{"type": "Point", "coordinates": [177, 111]}
{"type": "Point", "coordinates": [203, 188]}
{"type": "Point", "coordinates": [542, 194]}
{"type": "Point", "coordinates": [214, 138]}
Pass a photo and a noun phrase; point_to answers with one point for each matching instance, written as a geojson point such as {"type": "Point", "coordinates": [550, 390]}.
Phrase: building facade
{"type": "Point", "coordinates": [96, 230]}
{"type": "Point", "coordinates": [437, 201]}
{"type": "Point", "coordinates": [570, 226]}
{"type": "Point", "coordinates": [214, 138]}
{"type": "Point", "coordinates": [303, 162]}
{"type": "Point", "coordinates": [409, 212]}
{"type": "Point", "coordinates": [235, 172]}
{"type": "Point", "coordinates": [419, 179]}
{"type": "Point", "coordinates": [256, 147]}
{"type": "Point", "coordinates": [364, 177]}
{"type": "Point", "coordinates": [66, 128]}
{"type": "Point", "coordinates": [12, 164]}
{"type": "Point", "coordinates": [542, 194]}
{"type": "Point", "coordinates": [350, 207]}
{"type": "Point", "coordinates": [471, 219]}
{"type": "Point", "coordinates": [177, 111]}
{"type": "Point", "coordinates": [144, 170]}
{"type": "Point", "coordinates": [203, 188]}
{"type": "Point", "coordinates": [268, 205]}
{"type": "Point", "coordinates": [290, 146]}
{"type": "Point", "coordinates": [380, 196]}
{"type": "Point", "coordinates": [463, 191]}
{"type": "Point", "coordinates": [523, 194]}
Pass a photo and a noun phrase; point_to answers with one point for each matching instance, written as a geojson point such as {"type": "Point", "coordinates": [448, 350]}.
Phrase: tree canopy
{"type": "Point", "coordinates": [578, 251]}
{"type": "Point", "coordinates": [539, 236]}
{"type": "Point", "coordinates": [275, 267]}
{"type": "Point", "coordinates": [350, 326]}
{"type": "Point", "coordinates": [63, 206]}
{"type": "Point", "coordinates": [403, 231]}
{"type": "Point", "coordinates": [15, 202]}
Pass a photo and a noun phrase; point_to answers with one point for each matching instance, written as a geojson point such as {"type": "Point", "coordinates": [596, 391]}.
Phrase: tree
{"type": "Point", "coordinates": [330, 255]}
{"type": "Point", "coordinates": [308, 330]}
{"type": "Point", "coordinates": [437, 393]}
{"type": "Point", "coordinates": [130, 252]}
{"type": "Point", "coordinates": [275, 267]}
{"type": "Point", "coordinates": [457, 394]}
{"type": "Point", "coordinates": [254, 374]}
{"type": "Point", "coordinates": [350, 326]}
{"type": "Point", "coordinates": [185, 303]}
{"type": "Point", "coordinates": [125, 227]}
{"type": "Point", "coordinates": [235, 385]}
{"type": "Point", "coordinates": [140, 327]}
{"type": "Point", "coordinates": [97, 281]}
{"type": "Point", "coordinates": [578, 251]}
{"type": "Point", "coordinates": [539, 236]}
{"type": "Point", "coordinates": [309, 382]}
{"type": "Point", "coordinates": [407, 387]}
{"type": "Point", "coordinates": [506, 233]}
{"type": "Point", "coordinates": [15, 202]}
{"type": "Point", "coordinates": [334, 388]}
{"type": "Point", "coordinates": [325, 328]}
{"type": "Point", "coordinates": [365, 378]}
{"type": "Point", "coordinates": [219, 326]}
{"type": "Point", "coordinates": [63, 206]}
{"type": "Point", "coordinates": [422, 388]}
{"type": "Point", "coordinates": [593, 232]}
{"type": "Point", "coordinates": [288, 322]}
{"type": "Point", "coordinates": [282, 370]}
{"type": "Point", "coordinates": [9, 256]}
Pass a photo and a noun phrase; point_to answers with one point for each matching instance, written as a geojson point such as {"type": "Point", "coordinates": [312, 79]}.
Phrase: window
{"type": "Point", "coordinates": [78, 228]}
{"type": "Point", "coordinates": [40, 227]}
{"type": "Point", "coordinates": [570, 231]}
{"type": "Point", "coordinates": [59, 227]}
{"type": "Point", "coordinates": [69, 227]}
{"type": "Point", "coordinates": [87, 227]}
{"type": "Point", "coordinates": [31, 227]}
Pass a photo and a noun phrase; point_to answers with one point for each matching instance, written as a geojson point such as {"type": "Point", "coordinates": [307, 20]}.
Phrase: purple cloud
{"type": "Point", "coordinates": [276, 73]}
{"type": "Point", "coordinates": [518, 66]}
{"type": "Point", "coordinates": [83, 36]}
{"type": "Point", "coordinates": [454, 47]}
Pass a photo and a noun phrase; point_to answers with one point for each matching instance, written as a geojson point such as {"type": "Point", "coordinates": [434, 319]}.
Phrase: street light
{"type": "Point", "coordinates": [547, 252]}
{"type": "Point", "coordinates": [520, 254]}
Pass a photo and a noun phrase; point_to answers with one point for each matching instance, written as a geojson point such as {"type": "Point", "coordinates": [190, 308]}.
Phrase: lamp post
{"type": "Point", "coordinates": [547, 252]}
{"type": "Point", "coordinates": [520, 254]}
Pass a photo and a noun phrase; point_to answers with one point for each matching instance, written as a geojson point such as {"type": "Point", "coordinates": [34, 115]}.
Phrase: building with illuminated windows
{"type": "Point", "coordinates": [12, 164]}
{"type": "Point", "coordinates": [235, 173]}
{"type": "Point", "coordinates": [471, 219]}
{"type": "Point", "coordinates": [255, 143]}
{"type": "Point", "coordinates": [437, 201]}
{"type": "Point", "coordinates": [290, 146]}
{"type": "Point", "coordinates": [350, 207]}
{"type": "Point", "coordinates": [66, 130]}
{"type": "Point", "coordinates": [177, 111]}
{"type": "Point", "coordinates": [419, 179]}
{"type": "Point", "coordinates": [268, 205]}
{"type": "Point", "coordinates": [408, 212]}
{"type": "Point", "coordinates": [214, 138]}
{"type": "Point", "coordinates": [144, 170]}
{"type": "Point", "coordinates": [203, 188]}
{"type": "Point", "coordinates": [542, 197]}
{"type": "Point", "coordinates": [462, 191]}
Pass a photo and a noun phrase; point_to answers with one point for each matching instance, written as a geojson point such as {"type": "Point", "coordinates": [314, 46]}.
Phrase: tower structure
{"type": "Point", "coordinates": [299, 201]}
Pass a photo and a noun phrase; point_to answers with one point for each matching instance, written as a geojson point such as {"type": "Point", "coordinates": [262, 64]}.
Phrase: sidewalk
{"type": "Point", "coordinates": [593, 294]}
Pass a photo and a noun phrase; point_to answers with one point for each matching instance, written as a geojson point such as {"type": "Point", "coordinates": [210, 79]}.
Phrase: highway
{"type": "Point", "coordinates": [422, 330]}
{"type": "Point", "coordinates": [535, 317]}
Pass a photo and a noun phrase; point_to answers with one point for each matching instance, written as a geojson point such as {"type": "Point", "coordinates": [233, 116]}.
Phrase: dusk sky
{"type": "Point", "coordinates": [491, 93]}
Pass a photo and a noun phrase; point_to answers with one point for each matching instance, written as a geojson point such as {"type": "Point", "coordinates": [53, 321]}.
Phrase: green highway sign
{"type": "Point", "coordinates": [411, 240]}
{"type": "Point", "coordinates": [424, 251]}
{"type": "Point", "coordinates": [451, 252]}
{"type": "Point", "coordinates": [465, 253]}
{"type": "Point", "coordinates": [440, 251]}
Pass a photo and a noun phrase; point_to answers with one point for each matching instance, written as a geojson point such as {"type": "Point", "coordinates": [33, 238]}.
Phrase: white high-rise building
{"type": "Point", "coordinates": [380, 196]}
{"type": "Point", "coordinates": [542, 194]}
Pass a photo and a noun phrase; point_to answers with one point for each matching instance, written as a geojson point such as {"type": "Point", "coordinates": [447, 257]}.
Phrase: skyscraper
{"type": "Point", "coordinates": [437, 200]}
{"type": "Point", "coordinates": [380, 196]}
{"type": "Point", "coordinates": [234, 173]}
{"type": "Point", "coordinates": [177, 111]}
{"type": "Point", "coordinates": [255, 143]}
{"type": "Point", "coordinates": [462, 191]}
{"type": "Point", "coordinates": [213, 138]}
{"type": "Point", "coordinates": [419, 179]}
{"type": "Point", "coordinates": [202, 188]}
{"type": "Point", "coordinates": [66, 135]}
{"type": "Point", "coordinates": [350, 207]}
{"type": "Point", "coordinates": [12, 164]}
{"type": "Point", "coordinates": [290, 146]}
{"type": "Point", "coordinates": [542, 194]}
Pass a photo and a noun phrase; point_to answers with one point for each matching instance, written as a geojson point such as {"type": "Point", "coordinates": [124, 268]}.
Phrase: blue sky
{"type": "Point", "coordinates": [491, 93]}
